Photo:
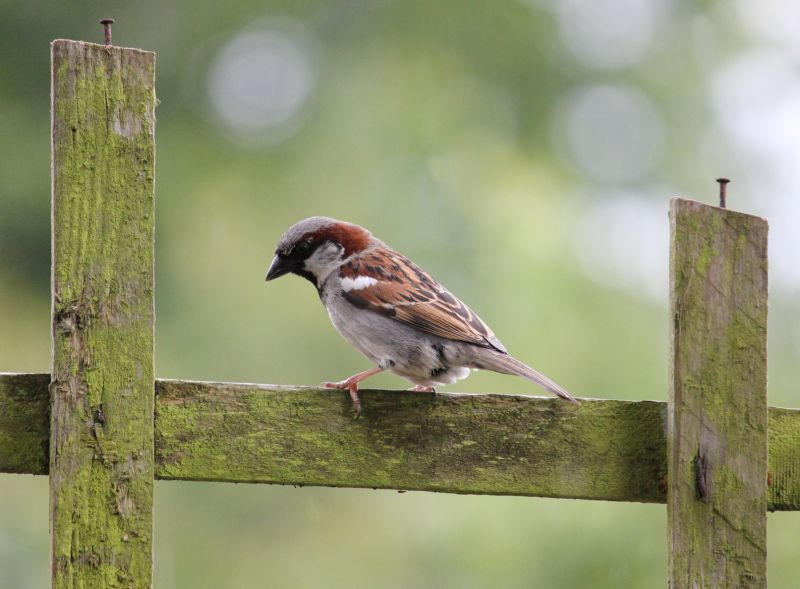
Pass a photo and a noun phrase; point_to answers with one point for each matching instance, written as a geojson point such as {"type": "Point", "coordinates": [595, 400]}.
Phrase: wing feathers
{"type": "Point", "coordinates": [388, 283]}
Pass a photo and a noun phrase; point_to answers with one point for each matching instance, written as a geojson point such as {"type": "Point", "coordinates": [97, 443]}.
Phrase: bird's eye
{"type": "Point", "coordinates": [304, 246]}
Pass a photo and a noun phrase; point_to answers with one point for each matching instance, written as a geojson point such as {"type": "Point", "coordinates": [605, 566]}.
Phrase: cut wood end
{"type": "Point", "coordinates": [680, 202]}
{"type": "Point", "coordinates": [55, 43]}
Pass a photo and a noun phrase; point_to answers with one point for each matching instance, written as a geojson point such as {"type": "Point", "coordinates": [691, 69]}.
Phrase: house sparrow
{"type": "Point", "coordinates": [393, 311]}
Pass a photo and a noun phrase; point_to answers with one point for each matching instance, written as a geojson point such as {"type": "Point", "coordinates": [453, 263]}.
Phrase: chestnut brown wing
{"type": "Point", "coordinates": [404, 292]}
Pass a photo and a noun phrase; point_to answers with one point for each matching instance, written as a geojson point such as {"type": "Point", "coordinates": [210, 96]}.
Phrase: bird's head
{"type": "Point", "coordinates": [315, 247]}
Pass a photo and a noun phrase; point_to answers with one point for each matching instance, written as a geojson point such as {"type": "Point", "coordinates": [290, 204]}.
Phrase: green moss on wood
{"type": "Point", "coordinates": [24, 423]}
{"type": "Point", "coordinates": [718, 394]}
{"type": "Point", "coordinates": [784, 459]}
{"type": "Point", "coordinates": [188, 414]}
{"type": "Point", "coordinates": [492, 444]}
{"type": "Point", "coordinates": [101, 444]}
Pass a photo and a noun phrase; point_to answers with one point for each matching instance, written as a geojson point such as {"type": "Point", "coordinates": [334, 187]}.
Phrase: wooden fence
{"type": "Point", "coordinates": [103, 428]}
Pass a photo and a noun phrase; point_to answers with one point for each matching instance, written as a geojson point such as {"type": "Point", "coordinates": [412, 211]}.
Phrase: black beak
{"type": "Point", "coordinates": [280, 265]}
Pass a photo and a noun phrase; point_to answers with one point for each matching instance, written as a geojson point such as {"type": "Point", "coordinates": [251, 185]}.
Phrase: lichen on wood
{"type": "Point", "coordinates": [101, 430]}
{"type": "Point", "coordinates": [717, 427]}
{"type": "Point", "coordinates": [783, 476]}
{"type": "Point", "coordinates": [24, 423]}
{"type": "Point", "coordinates": [188, 413]}
{"type": "Point", "coordinates": [455, 443]}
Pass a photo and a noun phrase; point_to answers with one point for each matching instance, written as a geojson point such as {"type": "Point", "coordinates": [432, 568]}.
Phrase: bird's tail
{"type": "Point", "coordinates": [507, 364]}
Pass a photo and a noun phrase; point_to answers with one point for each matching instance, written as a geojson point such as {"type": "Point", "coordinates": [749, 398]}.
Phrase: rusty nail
{"type": "Point", "coordinates": [107, 22]}
{"type": "Point", "coordinates": [723, 185]}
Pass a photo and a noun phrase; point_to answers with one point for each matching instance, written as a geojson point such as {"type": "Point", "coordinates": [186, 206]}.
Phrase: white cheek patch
{"type": "Point", "coordinates": [324, 259]}
{"type": "Point", "coordinates": [357, 283]}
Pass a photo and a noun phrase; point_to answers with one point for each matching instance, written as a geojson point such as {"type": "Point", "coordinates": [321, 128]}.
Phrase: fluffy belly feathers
{"type": "Point", "coordinates": [423, 359]}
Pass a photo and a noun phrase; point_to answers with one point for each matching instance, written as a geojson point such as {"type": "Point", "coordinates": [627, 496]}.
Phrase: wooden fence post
{"type": "Point", "coordinates": [101, 435]}
{"type": "Point", "coordinates": [717, 416]}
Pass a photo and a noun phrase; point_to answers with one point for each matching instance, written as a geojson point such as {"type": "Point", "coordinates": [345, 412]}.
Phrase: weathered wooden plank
{"type": "Point", "coordinates": [717, 417]}
{"type": "Point", "coordinates": [188, 415]}
{"type": "Point", "coordinates": [492, 444]}
{"type": "Point", "coordinates": [101, 443]}
{"type": "Point", "coordinates": [24, 423]}
{"type": "Point", "coordinates": [783, 476]}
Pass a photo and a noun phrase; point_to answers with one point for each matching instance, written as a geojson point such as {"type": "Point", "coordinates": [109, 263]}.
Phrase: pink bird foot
{"type": "Point", "coordinates": [351, 384]}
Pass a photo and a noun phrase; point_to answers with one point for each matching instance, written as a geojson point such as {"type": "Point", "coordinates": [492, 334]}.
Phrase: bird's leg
{"type": "Point", "coordinates": [351, 384]}
{"type": "Point", "coordinates": [422, 389]}
{"type": "Point", "coordinates": [347, 383]}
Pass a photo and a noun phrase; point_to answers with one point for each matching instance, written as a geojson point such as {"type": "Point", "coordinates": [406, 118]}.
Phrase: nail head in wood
{"type": "Point", "coordinates": [107, 22]}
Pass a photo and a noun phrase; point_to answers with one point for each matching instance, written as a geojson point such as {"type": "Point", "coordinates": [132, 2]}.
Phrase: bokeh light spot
{"type": "Point", "coordinates": [776, 20]}
{"type": "Point", "coordinates": [611, 133]}
{"type": "Point", "coordinates": [622, 242]}
{"type": "Point", "coordinates": [607, 35]}
{"type": "Point", "coordinates": [260, 80]}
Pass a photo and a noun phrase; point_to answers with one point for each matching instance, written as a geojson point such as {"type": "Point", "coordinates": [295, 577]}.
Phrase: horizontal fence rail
{"type": "Point", "coordinates": [456, 443]}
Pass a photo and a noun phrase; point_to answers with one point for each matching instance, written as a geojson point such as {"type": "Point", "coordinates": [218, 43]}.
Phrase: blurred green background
{"type": "Point", "coordinates": [522, 151]}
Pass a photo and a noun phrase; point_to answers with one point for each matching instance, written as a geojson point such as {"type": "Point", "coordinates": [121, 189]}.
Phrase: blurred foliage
{"type": "Point", "coordinates": [464, 136]}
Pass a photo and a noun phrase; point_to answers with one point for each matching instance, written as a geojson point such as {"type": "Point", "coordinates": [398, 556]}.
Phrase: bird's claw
{"type": "Point", "coordinates": [346, 385]}
{"type": "Point", "coordinates": [422, 389]}
{"type": "Point", "coordinates": [356, 401]}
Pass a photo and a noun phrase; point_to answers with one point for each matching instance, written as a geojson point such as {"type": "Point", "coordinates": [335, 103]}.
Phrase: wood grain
{"type": "Point", "coordinates": [101, 428]}
{"type": "Point", "coordinates": [717, 426]}
{"type": "Point", "coordinates": [292, 435]}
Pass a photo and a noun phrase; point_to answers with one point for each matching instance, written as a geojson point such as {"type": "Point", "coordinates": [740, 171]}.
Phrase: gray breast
{"type": "Point", "coordinates": [420, 357]}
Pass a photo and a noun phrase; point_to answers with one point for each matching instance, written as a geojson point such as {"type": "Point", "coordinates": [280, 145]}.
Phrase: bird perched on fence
{"type": "Point", "coordinates": [391, 310]}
